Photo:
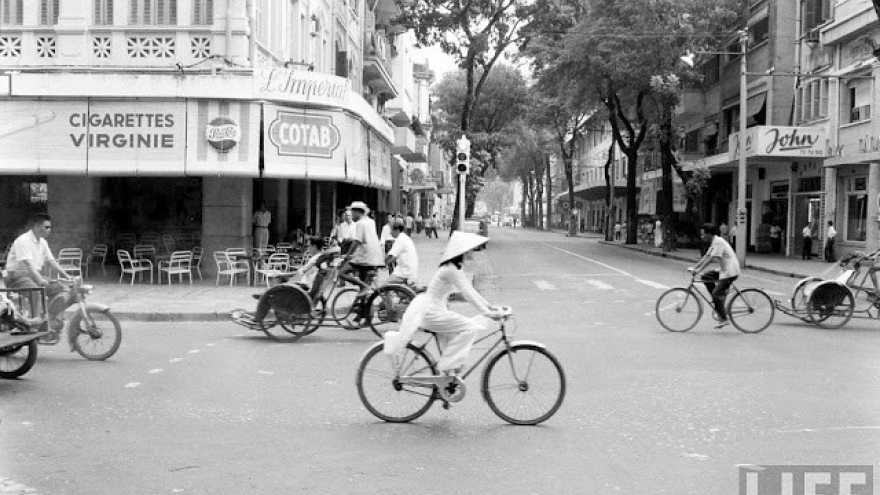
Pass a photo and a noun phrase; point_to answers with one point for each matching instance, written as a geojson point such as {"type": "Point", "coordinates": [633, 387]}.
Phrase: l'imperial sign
{"type": "Point", "coordinates": [296, 134]}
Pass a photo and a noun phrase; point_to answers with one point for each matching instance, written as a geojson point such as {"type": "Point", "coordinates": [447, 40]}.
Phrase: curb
{"type": "Point", "coordinates": [678, 257]}
{"type": "Point", "coordinates": [153, 317]}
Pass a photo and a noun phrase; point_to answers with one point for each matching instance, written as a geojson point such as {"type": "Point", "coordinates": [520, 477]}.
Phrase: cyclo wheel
{"type": "Point", "coordinates": [292, 311]}
{"type": "Point", "coordinates": [98, 342]}
{"type": "Point", "coordinates": [831, 305]}
{"type": "Point", "coordinates": [381, 392]}
{"type": "Point", "coordinates": [341, 309]}
{"type": "Point", "coordinates": [798, 299]}
{"type": "Point", "coordinates": [524, 385]}
{"type": "Point", "coordinates": [387, 305]}
{"type": "Point", "coordinates": [678, 309]}
{"type": "Point", "coordinates": [751, 310]}
{"type": "Point", "coordinates": [17, 360]}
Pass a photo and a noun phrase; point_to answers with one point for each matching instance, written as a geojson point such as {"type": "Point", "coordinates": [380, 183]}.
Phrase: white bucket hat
{"type": "Point", "coordinates": [359, 205]}
{"type": "Point", "coordinates": [460, 243]}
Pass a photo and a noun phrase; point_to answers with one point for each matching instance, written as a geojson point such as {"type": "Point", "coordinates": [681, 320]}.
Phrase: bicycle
{"type": "Point", "coordinates": [382, 306]}
{"type": "Point", "coordinates": [522, 382]}
{"type": "Point", "coordinates": [679, 309]}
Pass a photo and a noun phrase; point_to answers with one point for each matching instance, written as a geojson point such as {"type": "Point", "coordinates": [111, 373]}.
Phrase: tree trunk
{"type": "Point", "coordinates": [632, 200]}
{"type": "Point", "coordinates": [539, 200]}
{"type": "Point", "coordinates": [665, 210]}
{"type": "Point", "coordinates": [609, 195]}
{"type": "Point", "coordinates": [568, 157]}
{"type": "Point", "coordinates": [549, 194]}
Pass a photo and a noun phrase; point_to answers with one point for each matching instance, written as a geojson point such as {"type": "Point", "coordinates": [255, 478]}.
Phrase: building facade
{"type": "Point", "coordinates": [134, 116]}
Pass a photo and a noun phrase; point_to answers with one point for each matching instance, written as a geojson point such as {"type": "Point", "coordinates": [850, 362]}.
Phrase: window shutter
{"type": "Point", "coordinates": [44, 17]}
{"type": "Point", "coordinates": [809, 15]}
{"type": "Point", "coordinates": [133, 12]}
{"type": "Point", "coordinates": [197, 12]}
{"type": "Point", "coordinates": [5, 16]}
{"type": "Point", "coordinates": [172, 12]}
{"type": "Point", "coordinates": [161, 12]}
{"type": "Point", "coordinates": [147, 12]}
{"type": "Point", "coordinates": [55, 11]}
{"type": "Point", "coordinates": [209, 12]}
{"type": "Point", "coordinates": [342, 64]}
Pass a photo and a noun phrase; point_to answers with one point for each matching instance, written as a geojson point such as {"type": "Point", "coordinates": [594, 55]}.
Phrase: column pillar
{"type": "Point", "coordinates": [830, 198]}
{"type": "Point", "coordinates": [227, 211]}
{"type": "Point", "coordinates": [309, 218]}
{"type": "Point", "coordinates": [872, 241]}
{"type": "Point", "coordinates": [72, 42]}
{"type": "Point", "coordinates": [281, 207]}
{"type": "Point", "coordinates": [73, 206]}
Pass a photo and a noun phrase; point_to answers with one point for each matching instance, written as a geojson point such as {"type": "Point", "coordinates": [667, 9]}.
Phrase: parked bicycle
{"type": "Point", "coordinates": [679, 309]}
{"type": "Point", "coordinates": [522, 382]}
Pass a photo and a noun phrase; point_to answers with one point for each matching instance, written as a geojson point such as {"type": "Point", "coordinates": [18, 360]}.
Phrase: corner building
{"type": "Point", "coordinates": [128, 117]}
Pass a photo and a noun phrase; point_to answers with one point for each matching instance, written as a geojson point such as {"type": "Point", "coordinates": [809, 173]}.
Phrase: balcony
{"type": "Point", "coordinates": [399, 110]}
{"type": "Point", "coordinates": [377, 64]}
{"type": "Point", "coordinates": [419, 153]}
{"type": "Point", "coordinates": [404, 141]}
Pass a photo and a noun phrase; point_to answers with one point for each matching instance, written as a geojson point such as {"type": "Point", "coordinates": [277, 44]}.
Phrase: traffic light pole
{"type": "Point", "coordinates": [462, 168]}
{"type": "Point", "coordinates": [462, 180]}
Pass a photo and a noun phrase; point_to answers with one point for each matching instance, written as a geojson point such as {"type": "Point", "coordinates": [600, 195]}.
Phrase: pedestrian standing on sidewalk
{"type": "Point", "coordinates": [431, 226]}
{"type": "Point", "coordinates": [807, 234]}
{"type": "Point", "coordinates": [776, 237]}
{"type": "Point", "coordinates": [658, 233]}
{"type": "Point", "coordinates": [830, 237]}
{"type": "Point", "coordinates": [718, 282]}
{"type": "Point", "coordinates": [409, 222]}
{"type": "Point", "coordinates": [262, 219]}
{"type": "Point", "coordinates": [733, 232]}
{"type": "Point", "coordinates": [617, 231]}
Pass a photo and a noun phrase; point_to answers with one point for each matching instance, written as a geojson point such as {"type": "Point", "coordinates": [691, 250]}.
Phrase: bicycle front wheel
{"type": "Point", "coordinates": [678, 309]}
{"type": "Point", "coordinates": [387, 306]}
{"type": "Point", "coordinates": [380, 388]}
{"type": "Point", "coordinates": [751, 310]}
{"type": "Point", "coordinates": [342, 308]}
{"type": "Point", "coordinates": [524, 385]}
{"type": "Point", "coordinates": [97, 337]}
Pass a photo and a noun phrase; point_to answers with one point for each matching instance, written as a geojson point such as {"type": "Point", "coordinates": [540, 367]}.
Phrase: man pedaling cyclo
{"type": "Point", "coordinates": [364, 255]}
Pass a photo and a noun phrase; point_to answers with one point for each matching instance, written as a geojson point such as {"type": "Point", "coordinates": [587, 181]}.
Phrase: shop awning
{"type": "Point", "coordinates": [755, 104]}
{"type": "Point", "coordinates": [594, 193]}
{"type": "Point", "coordinates": [418, 187]}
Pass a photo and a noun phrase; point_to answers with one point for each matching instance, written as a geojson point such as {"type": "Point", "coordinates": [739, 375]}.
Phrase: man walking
{"type": "Point", "coordinates": [830, 236]}
{"type": "Point", "coordinates": [718, 282]}
{"type": "Point", "coordinates": [29, 254]}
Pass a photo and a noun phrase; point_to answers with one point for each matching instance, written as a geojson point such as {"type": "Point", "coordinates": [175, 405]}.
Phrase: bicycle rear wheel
{"type": "Point", "coordinates": [292, 311]}
{"type": "Point", "coordinates": [342, 308]}
{"type": "Point", "coordinates": [524, 385]}
{"type": "Point", "coordinates": [751, 310]}
{"type": "Point", "coordinates": [387, 306]}
{"type": "Point", "coordinates": [678, 309]}
{"type": "Point", "coordinates": [382, 393]}
{"type": "Point", "coordinates": [17, 360]}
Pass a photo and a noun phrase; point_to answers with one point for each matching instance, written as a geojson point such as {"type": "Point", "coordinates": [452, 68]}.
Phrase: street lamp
{"type": "Point", "coordinates": [741, 212]}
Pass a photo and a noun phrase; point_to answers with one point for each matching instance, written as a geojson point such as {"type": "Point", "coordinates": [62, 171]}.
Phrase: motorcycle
{"type": "Point", "coordinates": [93, 331]}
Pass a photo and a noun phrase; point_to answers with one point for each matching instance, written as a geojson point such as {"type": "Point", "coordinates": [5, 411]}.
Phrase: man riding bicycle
{"type": "Point", "coordinates": [402, 255]}
{"type": "Point", "coordinates": [718, 283]}
{"type": "Point", "coordinates": [364, 253]}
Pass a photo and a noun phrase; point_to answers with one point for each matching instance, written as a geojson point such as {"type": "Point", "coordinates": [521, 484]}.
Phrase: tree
{"type": "Point", "coordinates": [613, 53]}
{"type": "Point", "coordinates": [503, 102]}
{"type": "Point", "coordinates": [476, 32]}
{"type": "Point", "coordinates": [525, 160]}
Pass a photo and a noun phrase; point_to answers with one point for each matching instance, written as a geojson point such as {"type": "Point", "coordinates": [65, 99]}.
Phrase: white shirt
{"type": "Point", "coordinates": [407, 258]}
{"type": "Point", "coordinates": [726, 257]}
{"type": "Point", "coordinates": [832, 232]}
{"type": "Point", "coordinates": [385, 236]}
{"type": "Point", "coordinates": [28, 247]}
{"type": "Point", "coordinates": [369, 252]}
{"type": "Point", "coordinates": [344, 231]}
{"type": "Point", "coordinates": [262, 218]}
{"type": "Point", "coordinates": [807, 232]}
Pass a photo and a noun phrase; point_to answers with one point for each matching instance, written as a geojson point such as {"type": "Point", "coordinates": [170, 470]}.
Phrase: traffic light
{"type": "Point", "coordinates": [463, 156]}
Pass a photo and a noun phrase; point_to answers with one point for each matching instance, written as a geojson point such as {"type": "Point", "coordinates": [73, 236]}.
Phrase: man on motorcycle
{"type": "Point", "coordinates": [29, 254]}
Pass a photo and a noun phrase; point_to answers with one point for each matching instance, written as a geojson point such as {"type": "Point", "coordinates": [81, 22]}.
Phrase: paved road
{"type": "Point", "coordinates": [207, 409]}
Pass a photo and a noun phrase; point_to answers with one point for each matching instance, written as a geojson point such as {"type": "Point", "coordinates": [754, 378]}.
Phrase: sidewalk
{"type": "Point", "coordinates": [770, 263]}
{"type": "Point", "coordinates": [205, 301]}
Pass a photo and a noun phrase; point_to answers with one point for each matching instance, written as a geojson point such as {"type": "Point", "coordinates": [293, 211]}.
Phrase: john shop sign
{"type": "Point", "coordinates": [769, 141]}
{"type": "Point", "coordinates": [298, 134]}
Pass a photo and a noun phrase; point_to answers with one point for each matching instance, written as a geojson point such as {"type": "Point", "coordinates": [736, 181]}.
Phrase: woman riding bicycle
{"type": "Point", "coordinates": [430, 310]}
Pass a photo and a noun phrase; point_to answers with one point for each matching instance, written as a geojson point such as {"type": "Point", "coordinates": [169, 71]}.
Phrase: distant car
{"type": "Point", "coordinates": [506, 221]}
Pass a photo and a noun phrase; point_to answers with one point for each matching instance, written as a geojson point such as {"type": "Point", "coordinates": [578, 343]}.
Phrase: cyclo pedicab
{"type": "Point", "coordinates": [840, 293]}
{"type": "Point", "coordinates": [294, 313]}
{"type": "Point", "coordinates": [18, 344]}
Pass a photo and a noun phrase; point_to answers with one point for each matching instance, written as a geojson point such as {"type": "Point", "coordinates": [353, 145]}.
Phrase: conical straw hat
{"type": "Point", "coordinates": [460, 243]}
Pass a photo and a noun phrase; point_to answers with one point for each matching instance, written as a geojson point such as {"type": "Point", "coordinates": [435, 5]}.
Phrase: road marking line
{"type": "Point", "coordinates": [651, 283]}
{"type": "Point", "coordinates": [175, 360]}
{"type": "Point", "coordinates": [155, 370]}
{"type": "Point", "coordinates": [194, 351]}
{"type": "Point", "coordinates": [212, 344]}
{"type": "Point", "coordinates": [600, 285]}
{"type": "Point", "coordinates": [618, 270]}
{"type": "Point", "coordinates": [262, 372]}
{"type": "Point", "coordinates": [543, 285]}
{"type": "Point", "coordinates": [131, 385]}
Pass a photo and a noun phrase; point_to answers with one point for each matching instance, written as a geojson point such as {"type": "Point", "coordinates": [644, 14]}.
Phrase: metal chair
{"type": "Point", "coordinates": [133, 266]}
{"type": "Point", "coordinates": [197, 260]}
{"type": "Point", "coordinates": [226, 265]}
{"type": "Point", "coordinates": [168, 241]}
{"type": "Point", "coordinates": [70, 260]}
{"type": "Point", "coordinates": [276, 265]}
{"type": "Point", "coordinates": [97, 256]}
{"type": "Point", "coordinates": [144, 252]}
{"type": "Point", "coordinates": [179, 264]}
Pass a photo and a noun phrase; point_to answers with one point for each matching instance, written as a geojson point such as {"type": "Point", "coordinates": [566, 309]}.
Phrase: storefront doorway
{"type": "Point", "coordinates": [163, 205]}
{"type": "Point", "coordinates": [807, 210]}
